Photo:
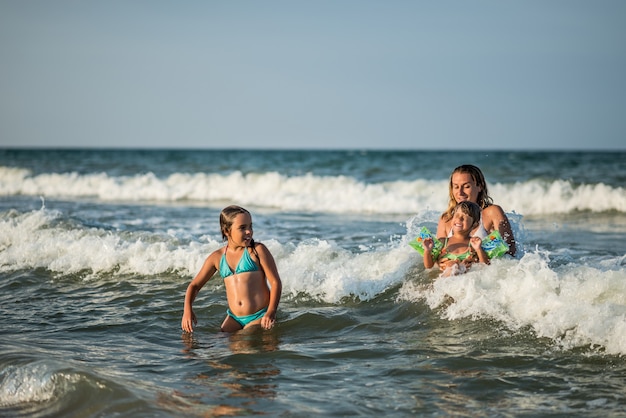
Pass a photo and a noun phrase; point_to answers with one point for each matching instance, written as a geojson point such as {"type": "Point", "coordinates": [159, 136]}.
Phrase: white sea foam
{"type": "Point", "coordinates": [40, 240]}
{"type": "Point", "coordinates": [319, 268]}
{"type": "Point", "coordinates": [20, 384]}
{"type": "Point", "coordinates": [574, 305]}
{"type": "Point", "coordinates": [45, 384]}
{"type": "Point", "coordinates": [328, 273]}
{"type": "Point", "coordinates": [333, 194]}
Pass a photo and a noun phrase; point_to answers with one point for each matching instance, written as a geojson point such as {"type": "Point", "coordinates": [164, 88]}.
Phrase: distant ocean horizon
{"type": "Point", "coordinates": [238, 148]}
{"type": "Point", "coordinates": [97, 247]}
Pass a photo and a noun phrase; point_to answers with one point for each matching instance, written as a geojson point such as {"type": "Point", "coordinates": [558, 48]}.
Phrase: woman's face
{"type": "Point", "coordinates": [464, 188]}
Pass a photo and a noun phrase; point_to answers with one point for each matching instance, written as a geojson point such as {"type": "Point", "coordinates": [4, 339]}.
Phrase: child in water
{"type": "Point", "coordinates": [459, 250]}
{"type": "Point", "coordinates": [250, 300]}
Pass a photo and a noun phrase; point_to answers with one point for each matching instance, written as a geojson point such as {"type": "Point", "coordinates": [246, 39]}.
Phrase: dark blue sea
{"type": "Point", "coordinates": [97, 248]}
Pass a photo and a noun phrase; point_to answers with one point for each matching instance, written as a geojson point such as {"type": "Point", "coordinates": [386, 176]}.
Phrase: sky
{"type": "Point", "coordinates": [340, 74]}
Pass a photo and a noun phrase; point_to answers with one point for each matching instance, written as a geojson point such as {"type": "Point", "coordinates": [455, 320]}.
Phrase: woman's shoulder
{"type": "Point", "coordinates": [493, 209]}
{"type": "Point", "coordinates": [493, 215]}
{"type": "Point", "coordinates": [442, 227]}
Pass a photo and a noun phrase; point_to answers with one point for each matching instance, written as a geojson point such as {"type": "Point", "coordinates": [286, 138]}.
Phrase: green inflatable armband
{"type": "Point", "coordinates": [494, 245]}
{"type": "Point", "coordinates": [417, 243]}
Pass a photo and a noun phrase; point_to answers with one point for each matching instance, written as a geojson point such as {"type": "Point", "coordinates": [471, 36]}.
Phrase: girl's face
{"type": "Point", "coordinates": [462, 222]}
{"type": "Point", "coordinates": [240, 233]}
{"type": "Point", "coordinates": [464, 188]}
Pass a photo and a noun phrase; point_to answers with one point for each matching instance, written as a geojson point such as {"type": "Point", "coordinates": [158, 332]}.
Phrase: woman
{"type": "Point", "coordinates": [467, 183]}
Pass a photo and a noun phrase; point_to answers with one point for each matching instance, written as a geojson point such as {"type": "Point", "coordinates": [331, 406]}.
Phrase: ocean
{"type": "Point", "coordinates": [98, 246]}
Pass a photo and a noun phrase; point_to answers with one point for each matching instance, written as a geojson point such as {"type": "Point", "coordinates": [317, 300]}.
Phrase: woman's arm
{"type": "Point", "coordinates": [442, 228]}
{"type": "Point", "coordinates": [494, 218]}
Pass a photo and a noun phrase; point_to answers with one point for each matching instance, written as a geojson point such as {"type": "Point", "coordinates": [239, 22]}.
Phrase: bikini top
{"type": "Point", "coordinates": [460, 257]}
{"type": "Point", "coordinates": [246, 264]}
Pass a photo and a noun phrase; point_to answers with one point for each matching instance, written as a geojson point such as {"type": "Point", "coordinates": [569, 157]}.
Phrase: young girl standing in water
{"type": "Point", "coordinates": [246, 268]}
{"type": "Point", "coordinates": [460, 249]}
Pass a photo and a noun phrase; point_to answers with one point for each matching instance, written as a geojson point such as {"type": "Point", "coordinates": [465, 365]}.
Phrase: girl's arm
{"type": "Point", "coordinates": [206, 272]}
{"type": "Point", "coordinates": [276, 286]}
{"type": "Point", "coordinates": [428, 245]}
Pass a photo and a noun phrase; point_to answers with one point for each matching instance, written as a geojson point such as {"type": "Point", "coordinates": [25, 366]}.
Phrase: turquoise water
{"type": "Point", "coordinates": [97, 248]}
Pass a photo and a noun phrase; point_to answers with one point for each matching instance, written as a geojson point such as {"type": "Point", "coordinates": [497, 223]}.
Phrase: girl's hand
{"type": "Point", "coordinates": [475, 242]}
{"type": "Point", "coordinates": [188, 322]}
{"type": "Point", "coordinates": [428, 244]}
{"type": "Point", "coordinates": [267, 322]}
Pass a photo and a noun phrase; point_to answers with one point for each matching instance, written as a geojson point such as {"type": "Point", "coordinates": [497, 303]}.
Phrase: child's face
{"type": "Point", "coordinates": [241, 230]}
{"type": "Point", "coordinates": [461, 221]}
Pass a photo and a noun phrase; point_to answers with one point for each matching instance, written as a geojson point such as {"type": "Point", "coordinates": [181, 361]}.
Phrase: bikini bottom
{"type": "Point", "coordinates": [246, 319]}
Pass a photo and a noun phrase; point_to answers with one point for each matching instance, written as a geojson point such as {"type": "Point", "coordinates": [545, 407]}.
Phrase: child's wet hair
{"type": "Point", "coordinates": [227, 217]}
{"type": "Point", "coordinates": [470, 209]}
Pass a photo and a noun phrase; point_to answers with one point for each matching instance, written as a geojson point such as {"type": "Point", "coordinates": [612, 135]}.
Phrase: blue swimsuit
{"type": "Point", "coordinates": [246, 319]}
{"type": "Point", "coordinates": [245, 265]}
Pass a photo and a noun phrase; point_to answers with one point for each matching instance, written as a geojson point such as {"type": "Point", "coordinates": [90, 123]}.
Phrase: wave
{"type": "Point", "coordinates": [332, 194]}
{"type": "Point", "coordinates": [574, 303]}
{"type": "Point", "coordinates": [46, 239]}
{"type": "Point", "coordinates": [38, 387]}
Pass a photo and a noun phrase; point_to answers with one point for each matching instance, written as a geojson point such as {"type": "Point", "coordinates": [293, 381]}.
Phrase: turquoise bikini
{"type": "Point", "coordinates": [245, 265]}
{"type": "Point", "coordinates": [246, 319]}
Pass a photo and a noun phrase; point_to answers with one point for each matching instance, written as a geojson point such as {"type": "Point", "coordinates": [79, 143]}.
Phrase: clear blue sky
{"type": "Point", "coordinates": [538, 74]}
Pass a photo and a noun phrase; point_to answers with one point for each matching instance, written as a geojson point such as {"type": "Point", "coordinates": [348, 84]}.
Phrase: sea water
{"type": "Point", "coordinates": [97, 248]}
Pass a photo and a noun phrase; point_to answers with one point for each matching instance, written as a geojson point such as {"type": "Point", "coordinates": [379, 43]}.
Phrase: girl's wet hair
{"type": "Point", "coordinates": [470, 209]}
{"type": "Point", "coordinates": [227, 217]}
